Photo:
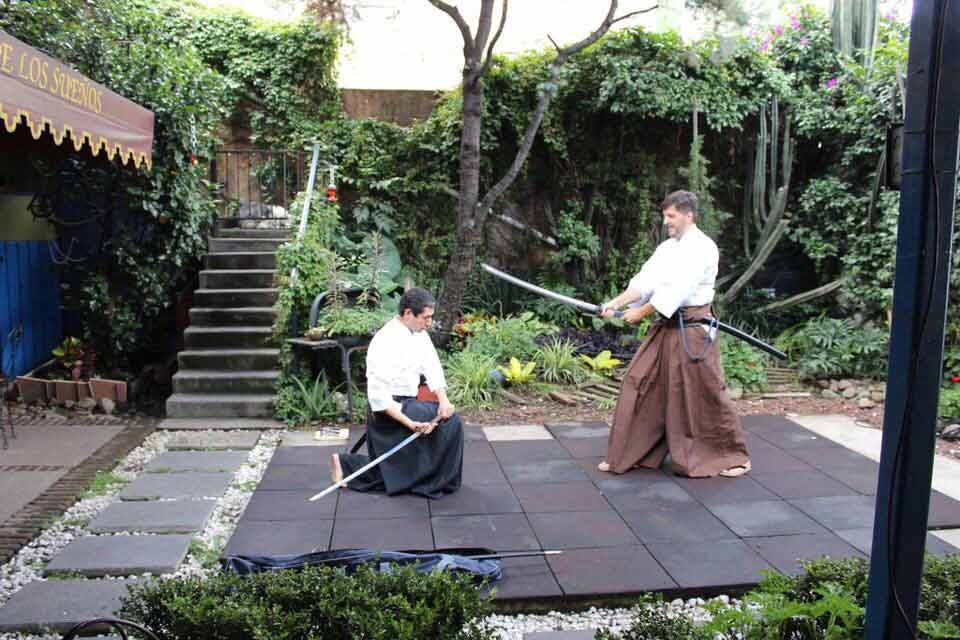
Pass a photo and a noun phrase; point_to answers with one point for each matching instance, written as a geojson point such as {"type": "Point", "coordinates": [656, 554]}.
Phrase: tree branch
{"type": "Point", "coordinates": [454, 13]}
{"type": "Point", "coordinates": [496, 36]}
{"type": "Point", "coordinates": [483, 25]}
{"type": "Point", "coordinates": [636, 13]}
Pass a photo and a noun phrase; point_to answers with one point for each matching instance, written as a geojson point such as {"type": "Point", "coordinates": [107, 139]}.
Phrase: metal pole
{"type": "Point", "coordinates": [921, 285]}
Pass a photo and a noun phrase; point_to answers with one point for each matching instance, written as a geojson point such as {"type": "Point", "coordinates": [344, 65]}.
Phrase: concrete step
{"type": "Point", "coordinates": [46, 606]}
{"type": "Point", "coordinates": [236, 337]}
{"type": "Point", "coordinates": [243, 245]}
{"type": "Point", "coordinates": [98, 556]}
{"type": "Point", "coordinates": [241, 260]}
{"type": "Point", "coordinates": [220, 405]}
{"type": "Point", "coordinates": [235, 297]}
{"type": "Point", "coordinates": [214, 381]}
{"type": "Point", "coordinates": [237, 278]}
{"type": "Point", "coordinates": [283, 234]}
{"type": "Point", "coordinates": [231, 316]}
{"type": "Point", "coordinates": [229, 359]}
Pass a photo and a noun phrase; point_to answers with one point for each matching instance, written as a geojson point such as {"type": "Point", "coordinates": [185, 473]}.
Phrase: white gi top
{"type": "Point", "coordinates": [396, 358]}
{"type": "Point", "coordinates": [680, 273]}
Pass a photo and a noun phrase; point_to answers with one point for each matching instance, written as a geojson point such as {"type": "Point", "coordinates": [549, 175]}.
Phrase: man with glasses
{"type": "Point", "coordinates": [400, 354]}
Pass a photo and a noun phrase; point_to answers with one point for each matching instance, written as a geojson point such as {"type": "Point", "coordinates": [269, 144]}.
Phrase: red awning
{"type": "Point", "coordinates": [50, 94]}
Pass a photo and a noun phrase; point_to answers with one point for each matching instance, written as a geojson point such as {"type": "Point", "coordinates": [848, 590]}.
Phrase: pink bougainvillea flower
{"type": "Point", "coordinates": [831, 83]}
{"type": "Point", "coordinates": [779, 30]}
{"type": "Point", "coordinates": [804, 41]}
{"type": "Point", "coordinates": [794, 22]}
{"type": "Point", "coordinates": [955, 379]}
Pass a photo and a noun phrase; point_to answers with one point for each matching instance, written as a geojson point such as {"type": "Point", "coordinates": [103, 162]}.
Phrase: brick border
{"type": "Point", "coordinates": [23, 526]}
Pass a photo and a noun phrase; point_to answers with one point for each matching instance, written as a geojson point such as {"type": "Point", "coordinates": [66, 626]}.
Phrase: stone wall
{"type": "Point", "coordinates": [401, 107]}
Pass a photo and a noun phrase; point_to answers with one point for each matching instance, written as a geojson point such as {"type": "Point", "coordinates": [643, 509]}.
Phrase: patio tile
{"type": "Point", "coordinates": [573, 530]}
{"type": "Point", "coordinates": [284, 506]}
{"type": "Point", "coordinates": [189, 484]}
{"type": "Point", "coordinates": [802, 484]}
{"type": "Point", "coordinates": [519, 432]}
{"type": "Point", "coordinates": [525, 578]}
{"type": "Point", "coordinates": [97, 556]}
{"type": "Point", "coordinates": [786, 552]}
{"type": "Point", "coordinates": [502, 532]}
{"type": "Point", "coordinates": [477, 451]}
{"type": "Point", "coordinates": [477, 500]}
{"type": "Point", "coordinates": [57, 605]}
{"type": "Point", "coordinates": [473, 433]}
{"type": "Point", "coordinates": [482, 472]}
{"type": "Point", "coordinates": [561, 496]}
{"type": "Point", "coordinates": [357, 504]}
{"type": "Point", "coordinates": [272, 538]}
{"type": "Point", "coordinates": [666, 493]}
{"type": "Point", "coordinates": [632, 478]}
{"type": "Point", "coordinates": [770, 459]}
{"type": "Point", "coordinates": [862, 540]}
{"type": "Point", "coordinates": [839, 512]}
{"type": "Point", "coordinates": [544, 471]}
{"type": "Point", "coordinates": [294, 477]}
{"type": "Point", "coordinates": [944, 511]}
{"type": "Point", "coordinates": [178, 461]}
{"type": "Point", "coordinates": [213, 440]}
{"type": "Point", "coordinates": [767, 423]}
{"type": "Point", "coordinates": [529, 452]}
{"type": "Point", "coordinates": [176, 516]}
{"type": "Point", "coordinates": [834, 456]}
{"type": "Point", "coordinates": [395, 534]}
{"type": "Point", "coordinates": [585, 447]}
{"type": "Point", "coordinates": [309, 439]}
{"type": "Point", "coordinates": [711, 491]}
{"type": "Point", "coordinates": [861, 479]}
{"type": "Point", "coordinates": [680, 524]}
{"type": "Point", "coordinates": [579, 429]}
{"type": "Point", "coordinates": [318, 455]}
{"type": "Point", "coordinates": [795, 437]}
{"type": "Point", "coordinates": [721, 563]}
{"type": "Point", "coordinates": [765, 518]}
{"type": "Point", "coordinates": [626, 569]}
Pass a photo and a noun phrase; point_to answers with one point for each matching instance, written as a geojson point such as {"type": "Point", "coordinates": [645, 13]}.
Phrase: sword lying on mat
{"type": "Point", "coordinates": [370, 465]}
{"type": "Point", "coordinates": [594, 308]}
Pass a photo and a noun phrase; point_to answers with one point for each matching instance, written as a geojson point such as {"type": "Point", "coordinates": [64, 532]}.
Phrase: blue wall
{"type": "Point", "coordinates": [29, 298]}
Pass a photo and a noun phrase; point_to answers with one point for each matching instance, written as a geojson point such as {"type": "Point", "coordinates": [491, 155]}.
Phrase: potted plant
{"type": "Point", "coordinates": [72, 378]}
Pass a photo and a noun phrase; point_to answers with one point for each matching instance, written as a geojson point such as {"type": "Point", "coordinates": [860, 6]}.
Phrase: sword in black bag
{"type": "Point", "coordinates": [595, 309]}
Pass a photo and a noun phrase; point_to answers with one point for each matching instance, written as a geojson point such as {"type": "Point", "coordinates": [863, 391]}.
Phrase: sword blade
{"type": "Point", "coordinates": [364, 468]}
{"type": "Point", "coordinates": [752, 341]}
{"type": "Point", "coordinates": [586, 306]}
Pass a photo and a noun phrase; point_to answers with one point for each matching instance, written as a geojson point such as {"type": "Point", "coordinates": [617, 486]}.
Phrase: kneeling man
{"type": "Point", "coordinates": [400, 353]}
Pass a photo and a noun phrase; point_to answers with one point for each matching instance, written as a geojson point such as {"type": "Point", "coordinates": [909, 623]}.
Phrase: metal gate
{"type": "Point", "coordinates": [257, 184]}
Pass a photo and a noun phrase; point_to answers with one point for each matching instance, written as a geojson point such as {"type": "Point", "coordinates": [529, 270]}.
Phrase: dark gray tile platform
{"type": "Point", "coordinates": [97, 556]}
{"type": "Point", "coordinates": [57, 605]}
{"type": "Point", "coordinates": [645, 530]}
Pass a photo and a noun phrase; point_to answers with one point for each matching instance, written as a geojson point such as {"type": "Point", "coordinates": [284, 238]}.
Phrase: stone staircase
{"type": "Point", "coordinates": [229, 366]}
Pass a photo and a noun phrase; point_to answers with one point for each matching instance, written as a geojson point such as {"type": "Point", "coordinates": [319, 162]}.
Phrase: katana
{"type": "Point", "coordinates": [595, 308]}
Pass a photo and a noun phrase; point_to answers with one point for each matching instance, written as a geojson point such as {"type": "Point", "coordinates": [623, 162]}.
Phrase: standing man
{"type": "Point", "coordinates": [673, 397]}
{"type": "Point", "coordinates": [399, 354]}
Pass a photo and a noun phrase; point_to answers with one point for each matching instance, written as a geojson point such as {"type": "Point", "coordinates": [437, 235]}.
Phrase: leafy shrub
{"type": "Point", "coordinates": [317, 602]}
{"type": "Point", "coordinates": [621, 346]}
{"type": "Point", "coordinates": [836, 347]}
{"type": "Point", "coordinates": [519, 373]}
{"type": "Point", "coordinates": [603, 363]}
{"type": "Point", "coordinates": [511, 337]}
{"type": "Point", "coordinates": [743, 365]}
{"type": "Point", "coordinates": [470, 383]}
{"type": "Point", "coordinates": [558, 362]}
{"type": "Point", "coordinates": [651, 621]}
{"type": "Point", "coordinates": [949, 407]}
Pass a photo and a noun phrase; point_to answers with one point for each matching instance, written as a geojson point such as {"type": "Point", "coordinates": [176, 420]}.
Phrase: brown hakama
{"type": "Point", "coordinates": [669, 403]}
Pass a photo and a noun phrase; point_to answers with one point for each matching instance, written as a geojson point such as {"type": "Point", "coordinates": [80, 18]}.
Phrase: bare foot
{"type": "Point", "coordinates": [736, 472]}
{"type": "Point", "coordinates": [604, 466]}
{"type": "Point", "coordinates": [336, 471]}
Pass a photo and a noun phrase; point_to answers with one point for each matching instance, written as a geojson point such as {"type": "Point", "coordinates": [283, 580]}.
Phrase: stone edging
{"type": "Point", "coordinates": [26, 524]}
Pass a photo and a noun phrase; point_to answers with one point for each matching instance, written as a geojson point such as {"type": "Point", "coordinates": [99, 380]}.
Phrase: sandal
{"type": "Point", "coordinates": [737, 471]}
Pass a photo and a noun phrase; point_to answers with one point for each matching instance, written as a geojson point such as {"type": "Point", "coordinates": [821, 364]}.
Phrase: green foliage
{"type": "Point", "coordinates": [743, 365]}
{"type": "Point", "coordinates": [316, 400]}
{"type": "Point", "coordinates": [513, 336]}
{"type": "Point", "coordinates": [103, 482]}
{"type": "Point", "coordinates": [949, 407]}
{"type": "Point", "coordinates": [603, 363]}
{"type": "Point", "coordinates": [316, 602]}
{"type": "Point", "coordinates": [833, 348]}
{"type": "Point", "coordinates": [651, 621]}
{"type": "Point", "coordinates": [469, 379]}
{"type": "Point", "coordinates": [519, 373]}
{"type": "Point", "coordinates": [559, 363]}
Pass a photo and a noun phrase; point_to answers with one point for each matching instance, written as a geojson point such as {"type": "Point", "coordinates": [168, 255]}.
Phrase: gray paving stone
{"type": "Point", "coordinates": [177, 461]}
{"type": "Point", "coordinates": [57, 605]}
{"type": "Point", "coordinates": [96, 556]}
{"type": "Point", "coordinates": [765, 518]}
{"type": "Point", "coordinates": [203, 424]}
{"type": "Point", "coordinates": [213, 440]}
{"type": "Point", "coordinates": [720, 563]}
{"type": "Point", "coordinates": [189, 484]}
{"type": "Point", "coordinates": [612, 570]}
{"type": "Point", "coordinates": [175, 516]}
